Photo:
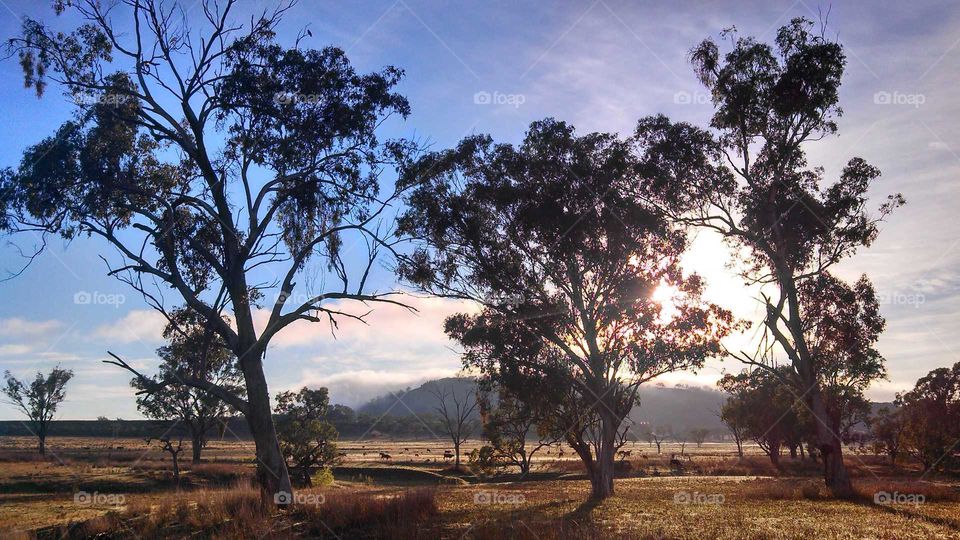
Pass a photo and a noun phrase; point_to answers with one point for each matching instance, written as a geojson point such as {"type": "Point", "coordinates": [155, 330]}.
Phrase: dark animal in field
{"type": "Point", "coordinates": [624, 454]}
{"type": "Point", "coordinates": [447, 454]}
{"type": "Point", "coordinates": [342, 454]}
{"type": "Point", "coordinates": [385, 456]}
{"type": "Point", "coordinates": [676, 465]}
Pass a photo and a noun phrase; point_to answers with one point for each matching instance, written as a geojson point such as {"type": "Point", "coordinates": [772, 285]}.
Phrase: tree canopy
{"type": "Point", "coordinates": [549, 238]}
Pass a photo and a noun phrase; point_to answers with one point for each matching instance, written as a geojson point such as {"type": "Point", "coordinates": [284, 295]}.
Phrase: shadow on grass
{"type": "Point", "coordinates": [902, 511]}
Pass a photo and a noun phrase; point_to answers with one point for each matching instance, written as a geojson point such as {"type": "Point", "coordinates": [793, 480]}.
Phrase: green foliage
{"type": "Point", "coordinates": [888, 432]}
{"type": "Point", "coordinates": [764, 409]}
{"type": "Point", "coordinates": [483, 461]}
{"type": "Point", "coordinates": [550, 237]}
{"type": "Point", "coordinates": [38, 399]}
{"type": "Point", "coordinates": [931, 416]}
{"type": "Point", "coordinates": [307, 439]}
{"type": "Point", "coordinates": [194, 352]}
{"type": "Point", "coordinates": [323, 477]}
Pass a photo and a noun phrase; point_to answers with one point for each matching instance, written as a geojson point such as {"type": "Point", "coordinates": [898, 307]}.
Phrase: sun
{"type": "Point", "coordinates": [667, 296]}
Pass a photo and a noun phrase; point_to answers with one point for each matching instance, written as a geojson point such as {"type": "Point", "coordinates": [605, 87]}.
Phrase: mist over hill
{"type": "Point", "coordinates": [682, 408]}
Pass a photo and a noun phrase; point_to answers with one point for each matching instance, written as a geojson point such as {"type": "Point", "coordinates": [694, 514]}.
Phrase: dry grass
{"type": "Point", "coordinates": [694, 508]}
{"type": "Point", "coordinates": [375, 499]}
{"type": "Point", "coordinates": [239, 513]}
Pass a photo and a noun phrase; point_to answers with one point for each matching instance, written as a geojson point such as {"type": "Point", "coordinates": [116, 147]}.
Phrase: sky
{"type": "Point", "coordinates": [494, 67]}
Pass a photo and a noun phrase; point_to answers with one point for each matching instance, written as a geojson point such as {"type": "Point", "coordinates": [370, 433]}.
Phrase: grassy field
{"type": "Point", "coordinates": [123, 487]}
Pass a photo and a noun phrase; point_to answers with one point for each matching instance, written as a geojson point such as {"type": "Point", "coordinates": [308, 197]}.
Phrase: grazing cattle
{"type": "Point", "coordinates": [676, 464]}
{"type": "Point", "coordinates": [447, 454]}
{"type": "Point", "coordinates": [624, 454]}
{"type": "Point", "coordinates": [385, 456]}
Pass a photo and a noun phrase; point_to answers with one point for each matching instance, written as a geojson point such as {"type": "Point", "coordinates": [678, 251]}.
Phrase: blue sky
{"type": "Point", "coordinates": [493, 67]}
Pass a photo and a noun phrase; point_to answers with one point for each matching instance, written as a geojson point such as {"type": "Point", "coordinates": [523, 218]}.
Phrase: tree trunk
{"type": "Point", "coordinates": [524, 467]}
{"type": "Point", "coordinates": [793, 451]}
{"type": "Point", "coordinates": [174, 455]}
{"type": "Point", "coordinates": [775, 454]}
{"type": "Point", "coordinates": [43, 443]}
{"type": "Point", "coordinates": [272, 474]}
{"type": "Point", "coordinates": [835, 473]}
{"type": "Point", "coordinates": [196, 445]}
{"type": "Point", "coordinates": [456, 450]}
{"type": "Point", "coordinates": [601, 479]}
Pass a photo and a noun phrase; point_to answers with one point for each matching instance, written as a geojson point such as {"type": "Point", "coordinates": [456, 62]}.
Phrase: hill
{"type": "Point", "coordinates": [682, 408]}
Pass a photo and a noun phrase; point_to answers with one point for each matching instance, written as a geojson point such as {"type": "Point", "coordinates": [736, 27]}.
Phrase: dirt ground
{"type": "Point", "coordinates": [716, 496]}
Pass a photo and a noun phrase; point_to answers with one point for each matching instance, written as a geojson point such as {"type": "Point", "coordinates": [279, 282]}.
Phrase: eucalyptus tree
{"type": "Point", "coordinates": [222, 166]}
{"type": "Point", "coordinates": [518, 428]}
{"type": "Point", "coordinates": [38, 399]}
{"type": "Point", "coordinates": [193, 352]}
{"type": "Point", "coordinates": [547, 238]}
{"type": "Point", "coordinates": [748, 179]}
{"type": "Point", "coordinates": [308, 440]}
{"type": "Point", "coordinates": [930, 417]}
